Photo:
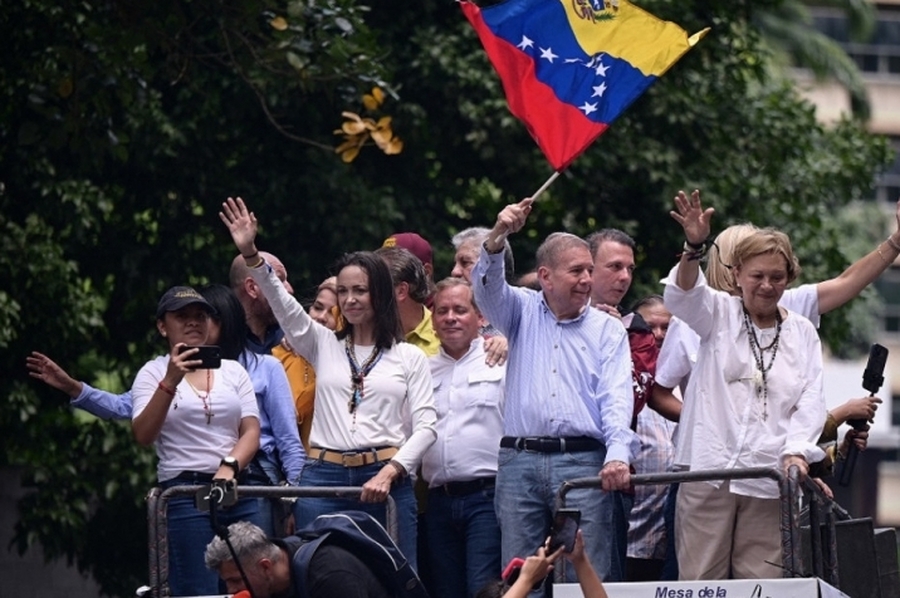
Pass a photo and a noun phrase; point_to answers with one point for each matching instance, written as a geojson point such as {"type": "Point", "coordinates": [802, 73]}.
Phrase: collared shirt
{"type": "Point", "coordinates": [731, 424]}
{"type": "Point", "coordinates": [646, 524]}
{"type": "Point", "coordinates": [278, 435]}
{"type": "Point", "coordinates": [565, 377]}
{"type": "Point", "coordinates": [679, 351]}
{"type": "Point", "coordinates": [423, 335]}
{"type": "Point", "coordinates": [265, 345]}
{"type": "Point", "coordinates": [468, 396]}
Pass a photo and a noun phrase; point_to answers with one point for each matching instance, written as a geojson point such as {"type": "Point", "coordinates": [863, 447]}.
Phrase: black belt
{"type": "Point", "coordinates": [467, 487]}
{"type": "Point", "coordinates": [571, 444]}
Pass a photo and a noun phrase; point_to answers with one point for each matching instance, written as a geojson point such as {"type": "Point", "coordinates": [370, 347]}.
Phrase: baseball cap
{"type": "Point", "coordinates": [178, 297]}
{"type": "Point", "coordinates": [413, 243]}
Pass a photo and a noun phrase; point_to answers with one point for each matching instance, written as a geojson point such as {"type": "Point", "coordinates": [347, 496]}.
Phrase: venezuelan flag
{"type": "Point", "coordinates": [570, 67]}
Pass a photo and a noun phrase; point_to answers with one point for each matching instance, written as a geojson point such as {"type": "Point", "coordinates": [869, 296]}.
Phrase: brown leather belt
{"type": "Point", "coordinates": [354, 458]}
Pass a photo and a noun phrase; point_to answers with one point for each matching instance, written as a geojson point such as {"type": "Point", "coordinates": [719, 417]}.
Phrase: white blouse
{"type": "Point", "coordinates": [726, 423]}
{"type": "Point", "coordinates": [397, 408]}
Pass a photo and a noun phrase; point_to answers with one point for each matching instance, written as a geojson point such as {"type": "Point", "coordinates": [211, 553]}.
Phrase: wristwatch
{"type": "Point", "coordinates": [232, 463]}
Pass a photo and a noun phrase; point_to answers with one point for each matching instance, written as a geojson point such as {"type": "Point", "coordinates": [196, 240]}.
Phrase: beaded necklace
{"type": "Point", "coordinates": [358, 373]}
{"type": "Point", "coordinates": [205, 397]}
{"type": "Point", "coordinates": [760, 377]}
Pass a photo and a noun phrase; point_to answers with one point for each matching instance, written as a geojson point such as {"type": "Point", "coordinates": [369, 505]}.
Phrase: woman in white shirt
{"type": "Point", "coordinates": [204, 424]}
{"type": "Point", "coordinates": [374, 409]}
{"type": "Point", "coordinates": [754, 400]}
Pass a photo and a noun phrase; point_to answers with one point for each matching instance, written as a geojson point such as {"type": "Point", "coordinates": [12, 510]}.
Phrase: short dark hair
{"type": "Point", "coordinates": [406, 267]}
{"type": "Point", "coordinates": [388, 331]}
{"type": "Point", "coordinates": [648, 301]}
{"type": "Point", "coordinates": [596, 239]}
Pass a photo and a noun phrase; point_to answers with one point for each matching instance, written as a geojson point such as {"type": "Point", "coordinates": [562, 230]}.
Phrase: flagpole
{"type": "Point", "coordinates": [533, 198]}
{"type": "Point", "coordinates": [546, 184]}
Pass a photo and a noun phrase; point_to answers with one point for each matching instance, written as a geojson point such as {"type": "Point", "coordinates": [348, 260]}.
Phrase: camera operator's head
{"type": "Point", "coordinates": [265, 564]}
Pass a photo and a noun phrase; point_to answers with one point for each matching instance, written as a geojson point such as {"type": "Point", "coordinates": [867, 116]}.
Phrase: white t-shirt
{"type": "Point", "coordinates": [731, 425]}
{"type": "Point", "coordinates": [186, 441]}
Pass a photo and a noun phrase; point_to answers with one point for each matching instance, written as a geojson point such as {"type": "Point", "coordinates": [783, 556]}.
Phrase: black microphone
{"type": "Point", "coordinates": [873, 378]}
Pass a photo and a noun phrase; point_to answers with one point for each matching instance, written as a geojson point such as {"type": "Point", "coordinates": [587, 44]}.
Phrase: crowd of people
{"type": "Point", "coordinates": [469, 401]}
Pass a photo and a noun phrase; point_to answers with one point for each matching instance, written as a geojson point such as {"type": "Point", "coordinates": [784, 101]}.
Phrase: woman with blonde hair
{"type": "Point", "coordinates": [755, 399]}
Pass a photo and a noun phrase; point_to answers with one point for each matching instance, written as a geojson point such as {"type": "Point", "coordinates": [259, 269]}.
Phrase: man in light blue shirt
{"type": "Point", "coordinates": [569, 398]}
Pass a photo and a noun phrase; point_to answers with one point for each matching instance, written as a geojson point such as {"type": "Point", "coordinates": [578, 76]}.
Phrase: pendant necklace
{"type": "Point", "coordinates": [358, 374]}
{"type": "Point", "coordinates": [760, 377]}
{"type": "Point", "coordinates": [205, 397]}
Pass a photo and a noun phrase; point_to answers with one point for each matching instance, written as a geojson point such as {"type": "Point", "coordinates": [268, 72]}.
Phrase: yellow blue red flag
{"type": "Point", "coordinates": [570, 67]}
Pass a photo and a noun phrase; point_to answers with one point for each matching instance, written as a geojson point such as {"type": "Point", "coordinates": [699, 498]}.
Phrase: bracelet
{"type": "Point", "coordinates": [257, 264]}
{"type": "Point", "coordinates": [250, 257]}
{"type": "Point", "coordinates": [893, 244]}
{"type": "Point", "coordinates": [166, 389]}
{"type": "Point", "coordinates": [884, 260]}
{"type": "Point", "coordinates": [694, 253]}
{"type": "Point", "coordinates": [695, 247]}
{"type": "Point", "coordinates": [401, 471]}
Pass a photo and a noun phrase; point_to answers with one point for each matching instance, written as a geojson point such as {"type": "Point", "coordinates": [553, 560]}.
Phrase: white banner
{"type": "Point", "coordinates": [726, 588]}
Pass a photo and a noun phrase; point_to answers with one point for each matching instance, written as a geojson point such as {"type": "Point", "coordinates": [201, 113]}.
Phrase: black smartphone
{"type": "Point", "coordinates": [210, 356]}
{"type": "Point", "coordinates": [565, 526]}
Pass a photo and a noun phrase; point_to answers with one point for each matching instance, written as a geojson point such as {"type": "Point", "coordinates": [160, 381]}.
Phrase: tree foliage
{"type": "Point", "coordinates": [125, 124]}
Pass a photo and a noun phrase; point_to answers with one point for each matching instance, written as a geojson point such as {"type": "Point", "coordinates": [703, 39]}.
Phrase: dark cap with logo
{"type": "Point", "coordinates": [178, 297]}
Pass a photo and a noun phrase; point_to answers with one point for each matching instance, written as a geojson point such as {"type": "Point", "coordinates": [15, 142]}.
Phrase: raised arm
{"type": "Point", "coordinates": [299, 328]}
{"type": "Point", "coordinates": [848, 284]}
{"type": "Point", "coordinates": [689, 213]}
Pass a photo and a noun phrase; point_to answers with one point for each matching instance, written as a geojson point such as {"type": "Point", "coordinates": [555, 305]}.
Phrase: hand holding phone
{"type": "Point", "coordinates": [209, 356]}
{"type": "Point", "coordinates": [564, 529]}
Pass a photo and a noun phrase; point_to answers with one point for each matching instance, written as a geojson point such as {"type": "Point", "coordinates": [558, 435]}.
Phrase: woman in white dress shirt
{"type": "Point", "coordinates": [755, 399]}
{"type": "Point", "coordinates": [374, 403]}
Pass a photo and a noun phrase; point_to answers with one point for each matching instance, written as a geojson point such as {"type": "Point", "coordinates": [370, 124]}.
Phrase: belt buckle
{"type": "Point", "coordinates": [521, 444]}
{"type": "Point", "coordinates": [352, 459]}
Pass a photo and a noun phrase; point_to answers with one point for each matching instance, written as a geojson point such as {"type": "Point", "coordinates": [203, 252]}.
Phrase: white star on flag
{"type": "Point", "coordinates": [598, 90]}
{"type": "Point", "coordinates": [588, 108]}
{"type": "Point", "coordinates": [601, 69]}
{"type": "Point", "coordinates": [548, 54]}
{"type": "Point", "coordinates": [525, 43]}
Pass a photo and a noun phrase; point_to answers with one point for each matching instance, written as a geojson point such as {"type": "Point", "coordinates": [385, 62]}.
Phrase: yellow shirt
{"type": "Point", "coordinates": [423, 336]}
{"type": "Point", "coordinates": [302, 378]}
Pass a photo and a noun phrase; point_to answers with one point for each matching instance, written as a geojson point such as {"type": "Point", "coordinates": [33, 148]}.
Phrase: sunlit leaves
{"type": "Point", "coordinates": [357, 131]}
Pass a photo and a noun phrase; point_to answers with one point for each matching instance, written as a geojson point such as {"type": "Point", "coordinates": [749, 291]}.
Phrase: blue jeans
{"type": "Point", "coordinates": [623, 502]}
{"type": "Point", "coordinates": [526, 493]}
{"type": "Point", "coordinates": [318, 473]}
{"type": "Point", "coordinates": [189, 530]}
{"type": "Point", "coordinates": [463, 542]}
{"type": "Point", "coordinates": [265, 472]}
{"type": "Point", "coordinates": [670, 568]}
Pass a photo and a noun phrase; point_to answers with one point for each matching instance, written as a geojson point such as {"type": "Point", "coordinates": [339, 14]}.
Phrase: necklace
{"type": "Point", "coordinates": [760, 377]}
{"type": "Point", "coordinates": [205, 397]}
{"type": "Point", "coordinates": [358, 373]}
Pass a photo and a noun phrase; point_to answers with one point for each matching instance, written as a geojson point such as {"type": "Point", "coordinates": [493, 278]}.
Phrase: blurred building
{"type": "Point", "coordinates": [875, 490]}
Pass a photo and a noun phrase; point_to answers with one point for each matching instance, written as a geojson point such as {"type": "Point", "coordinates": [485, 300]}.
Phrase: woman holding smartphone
{"type": "Point", "coordinates": [205, 425]}
{"type": "Point", "coordinates": [374, 405]}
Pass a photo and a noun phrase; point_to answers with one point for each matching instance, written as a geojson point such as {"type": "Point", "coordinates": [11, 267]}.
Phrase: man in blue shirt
{"type": "Point", "coordinates": [568, 393]}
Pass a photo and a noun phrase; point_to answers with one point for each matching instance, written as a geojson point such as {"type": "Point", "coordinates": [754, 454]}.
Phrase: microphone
{"type": "Point", "coordinates": [873, 378]}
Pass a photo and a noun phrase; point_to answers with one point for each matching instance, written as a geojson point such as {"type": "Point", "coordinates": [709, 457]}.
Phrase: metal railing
{"type": "Point", "coordinates": [797, 497]}
{"type": "Point", "coordinates": [157, 519]}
